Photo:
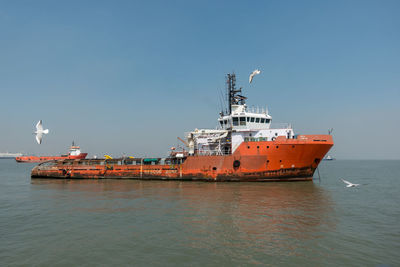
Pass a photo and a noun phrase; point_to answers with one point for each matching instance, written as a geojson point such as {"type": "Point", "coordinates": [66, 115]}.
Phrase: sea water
{"type": "Point", "coordinates": [46, 222]}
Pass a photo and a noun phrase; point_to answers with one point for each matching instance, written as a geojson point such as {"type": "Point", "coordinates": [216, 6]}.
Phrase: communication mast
{"type": "Point", "coordinates": [234, 98]}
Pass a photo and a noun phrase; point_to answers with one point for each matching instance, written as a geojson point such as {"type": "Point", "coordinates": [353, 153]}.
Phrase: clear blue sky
{"type": "Point", "coordinates": [130, 76]}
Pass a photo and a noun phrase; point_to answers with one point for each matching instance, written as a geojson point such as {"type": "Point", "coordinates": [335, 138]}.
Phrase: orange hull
{"type": "Point", "coordinates": [279, 160]}
{"type": "Point", "coordinates": [34, 159]}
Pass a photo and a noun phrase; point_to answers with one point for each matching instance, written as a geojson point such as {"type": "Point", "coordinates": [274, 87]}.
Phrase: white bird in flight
{"type": "Point", "coordinates": [39, 132]}
{"type": "Point", "coordinates": [349, 184]}
{"type": "Point", "coordinates": [254, 73]}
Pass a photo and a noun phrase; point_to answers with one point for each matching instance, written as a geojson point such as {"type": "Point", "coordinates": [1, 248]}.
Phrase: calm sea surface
{"type": "Point", "coordinates": [113, 222]}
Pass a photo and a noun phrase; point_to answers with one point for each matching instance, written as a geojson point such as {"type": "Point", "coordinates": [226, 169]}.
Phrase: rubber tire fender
{"type": "Point", "coordinates": [236, 164]}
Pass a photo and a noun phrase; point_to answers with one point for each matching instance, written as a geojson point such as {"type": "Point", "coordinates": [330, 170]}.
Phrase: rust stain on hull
{"type": "Point", "coordinates": [281, 175]}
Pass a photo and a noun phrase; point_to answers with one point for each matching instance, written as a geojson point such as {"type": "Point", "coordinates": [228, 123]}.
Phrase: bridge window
{"type": "Point", "coordinates": [262, 120]}
{"type": "Point", "coordinates": [235, 121]}
{"type": "Point", "coordinates": [225, 121]}
{"type": "Point", "coordinates": [221, 122]}
{"type": "Point", "coordinates": [267, 120]}
{"type": "Point", "coordinates": [248, 119]}
{"type": "Point", "coordinates": [257, 120]}
{"type": "Point", "coordinates": [243, 121]}
{"type": "Point", "coordinates": [252, 119]}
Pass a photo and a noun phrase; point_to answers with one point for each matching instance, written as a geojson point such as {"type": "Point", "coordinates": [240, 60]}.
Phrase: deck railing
{"type": "Point", "coordinates": [212, 152]}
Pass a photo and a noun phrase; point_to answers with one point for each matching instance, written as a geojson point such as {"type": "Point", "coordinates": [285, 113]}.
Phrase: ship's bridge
{"type": "Point", "coordinates": [251, 124]}
{"type": "Point", "coordinates": [74, 150]}
{"type": "Point", "coordinates": [237, 124]}
{"type": "Point", "coordinates": [243, 118]}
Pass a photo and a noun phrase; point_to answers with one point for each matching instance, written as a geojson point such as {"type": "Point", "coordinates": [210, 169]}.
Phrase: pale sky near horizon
{"type": "Point", "coordinates": [130, 76]}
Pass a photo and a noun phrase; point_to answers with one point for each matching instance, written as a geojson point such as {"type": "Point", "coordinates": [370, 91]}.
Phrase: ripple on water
{"type": "Point", "coordinates": [117, 222]}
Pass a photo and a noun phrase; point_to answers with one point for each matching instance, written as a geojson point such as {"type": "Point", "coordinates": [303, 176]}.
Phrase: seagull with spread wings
{"type": "Point", "coordinates": [254, 73]}
{"type": "Point", "coordinates": [348, 184]}
{"type": "Point", "coordinates": [39, 132]}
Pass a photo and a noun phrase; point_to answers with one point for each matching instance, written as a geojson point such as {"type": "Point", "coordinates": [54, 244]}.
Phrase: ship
{"type": "Point", "coordinates": [245, 147]}
{"type": "Point", "coordinates": [73, 154]}
{"type": "Point", "coordinates": [329, 157]}
{"type": "Point", "coordinates": [7, 155]}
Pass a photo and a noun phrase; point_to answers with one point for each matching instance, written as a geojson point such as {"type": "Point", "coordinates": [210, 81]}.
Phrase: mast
{"type": "Point", "coordinates": [234, 98]}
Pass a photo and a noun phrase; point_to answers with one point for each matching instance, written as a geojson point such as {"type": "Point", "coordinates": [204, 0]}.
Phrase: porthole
{"type": "Point", "coordinates": [248, 146]}
{"type": "Point", "coordinates": [258, 147]}
{"type": "Point", "coordinates": [277, 146]}
{"type": "Point", "coordinates": [267, 146]}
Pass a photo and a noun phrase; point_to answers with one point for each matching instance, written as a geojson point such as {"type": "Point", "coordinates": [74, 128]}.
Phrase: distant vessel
{"type": "Point", "coordinates": [328, 157]}
{"type": "Point", "coordinates": [7, 155]}
{"type": "Point", "coordinates": [245, 147]}
{"type": "Point", "coordinates": [74, 153]}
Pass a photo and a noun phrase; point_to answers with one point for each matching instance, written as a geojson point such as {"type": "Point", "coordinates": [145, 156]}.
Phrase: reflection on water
{"type": "Point", "coordinates": [263, 217]}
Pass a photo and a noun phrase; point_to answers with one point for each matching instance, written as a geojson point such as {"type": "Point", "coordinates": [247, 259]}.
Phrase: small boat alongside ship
{"type": "Point", "coordinates": [245, 147]}
{"type": "Point", "coordinates": [73, 153]}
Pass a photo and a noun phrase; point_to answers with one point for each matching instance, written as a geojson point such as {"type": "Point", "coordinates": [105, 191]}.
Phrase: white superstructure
{"type": "Point", "coordinates": [74, 150]}
{"type": "Point", "coordinates": [239, 125]}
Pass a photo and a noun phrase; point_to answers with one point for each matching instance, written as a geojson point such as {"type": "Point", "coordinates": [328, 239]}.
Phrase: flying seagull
{"type": "Point", "coordinates": [349, 184]}
{"type": "Point", "coordinates": [254, 73]}
{"type": "Point", "coordinates": [39, 132]}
